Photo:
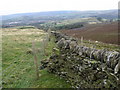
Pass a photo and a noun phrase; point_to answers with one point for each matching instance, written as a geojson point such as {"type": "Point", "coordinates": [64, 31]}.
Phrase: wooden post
{"type": "Point", "coordinates": [35, 60]}
{"type": "Point", "coordinates": [82, 40]}
{"type": "Point", "coordinates": [43, 47]}
{"type": "Point", "coordinates": [49, 34]}
{"type": "Point", "coordinates": [89, 43]}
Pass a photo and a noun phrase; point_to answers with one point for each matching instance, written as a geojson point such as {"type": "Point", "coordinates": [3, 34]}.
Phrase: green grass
{"type": "Point", "coordinates": [100, 45]}
{"type": "Point", "coordinates": [18, 65]}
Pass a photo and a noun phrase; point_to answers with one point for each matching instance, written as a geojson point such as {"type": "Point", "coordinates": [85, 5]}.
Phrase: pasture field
{"type": "Point", "coordinates": [18, 68]}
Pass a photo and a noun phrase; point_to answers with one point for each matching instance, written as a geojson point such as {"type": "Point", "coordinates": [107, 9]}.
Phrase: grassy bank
{"type": "Point", "coordinates": [18, 61]}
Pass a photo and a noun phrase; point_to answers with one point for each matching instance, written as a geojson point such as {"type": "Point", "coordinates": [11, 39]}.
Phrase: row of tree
{"type": "Point", "coordinates": [54, 26]}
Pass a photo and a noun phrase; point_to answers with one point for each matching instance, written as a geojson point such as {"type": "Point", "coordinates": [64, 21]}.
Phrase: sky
{"type": "Point", "coordinates": [24, 6]}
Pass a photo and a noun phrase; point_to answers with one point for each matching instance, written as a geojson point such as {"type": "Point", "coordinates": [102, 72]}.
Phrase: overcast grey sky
{"type": "Point", "coordinates": [23, 6]}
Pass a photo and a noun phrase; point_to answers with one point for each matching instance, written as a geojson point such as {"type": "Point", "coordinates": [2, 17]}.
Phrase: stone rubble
{"type": "Point", "coordinates": [84, 67]}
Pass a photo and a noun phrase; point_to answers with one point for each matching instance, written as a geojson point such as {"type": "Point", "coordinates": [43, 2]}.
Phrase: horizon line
{"type": "Point", "coordinates": [53, 11]}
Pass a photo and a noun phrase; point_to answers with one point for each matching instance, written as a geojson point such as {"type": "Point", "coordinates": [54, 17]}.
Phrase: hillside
{"type": "Point", "coordinates": [107, 33]}
{"type": "Point", "coordinates": [56, 16]}
{"type": "Point", "coordinates": [18, 69]}
{"type": "Point", "coordinates": [61, 49]}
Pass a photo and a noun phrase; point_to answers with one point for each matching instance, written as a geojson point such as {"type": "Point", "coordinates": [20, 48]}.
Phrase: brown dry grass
{"type": "Point", "coordinates": [107, 33]}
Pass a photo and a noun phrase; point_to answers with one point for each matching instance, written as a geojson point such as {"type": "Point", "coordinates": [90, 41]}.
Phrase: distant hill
{"type": "Point", "coordinates": [37, 14]}
{"type": "Point", "coordinates": [43, 17]}
{"type": "Point", "coordinates": [100, 13]}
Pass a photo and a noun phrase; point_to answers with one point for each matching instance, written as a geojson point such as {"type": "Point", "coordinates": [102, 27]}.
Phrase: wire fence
{"type": "Point", "coordinates": [12, 74]}
{"type": "Point", "coordinates": [12, 64]}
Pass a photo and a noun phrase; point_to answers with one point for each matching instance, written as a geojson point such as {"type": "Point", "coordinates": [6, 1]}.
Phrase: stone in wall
{"type": "Point", "coordinates": [84, 67]}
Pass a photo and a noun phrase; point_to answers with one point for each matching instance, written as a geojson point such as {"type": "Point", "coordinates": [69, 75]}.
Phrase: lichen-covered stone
{"type": "Point", "coordinates": [82, 66]}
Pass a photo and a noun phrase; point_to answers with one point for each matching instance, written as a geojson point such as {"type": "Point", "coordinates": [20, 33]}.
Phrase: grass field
{"type": "Point", "coordinates": [18, 69]}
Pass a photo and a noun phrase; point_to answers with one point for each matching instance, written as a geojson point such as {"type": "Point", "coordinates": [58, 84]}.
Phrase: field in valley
{"type": "Point", "coordinates": [107, 33]}
{"type": "Point", "coordinates": [18, 68]}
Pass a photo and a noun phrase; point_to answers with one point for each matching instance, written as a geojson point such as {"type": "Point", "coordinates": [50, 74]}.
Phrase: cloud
{"type": "Point", "coordinates": [22, 6]}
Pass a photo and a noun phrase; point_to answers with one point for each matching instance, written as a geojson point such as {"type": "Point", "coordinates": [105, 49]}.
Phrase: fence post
{"type": "Point", "coordinates": [45, 40]}
{"type": "Point", "coordinates": [82, 40]}
{"type": "Point", "coordinates": [35, 60]}
{"type": "Point", "coordinates": [89, 43]}
{"type": "Point", "coordinates": [44, 46]}
{"type": "Point", "coordinates": [49, 34]}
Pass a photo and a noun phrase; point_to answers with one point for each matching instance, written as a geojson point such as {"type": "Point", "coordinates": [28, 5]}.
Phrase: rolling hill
{"type": "Point", "coordinates": [107, 32]}
{"type": "Point", "coordinates": [43, 17]}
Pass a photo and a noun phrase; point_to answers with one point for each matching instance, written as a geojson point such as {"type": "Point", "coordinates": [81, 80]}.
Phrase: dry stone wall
{"type": "Point", "coordinates": [84, 66]}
